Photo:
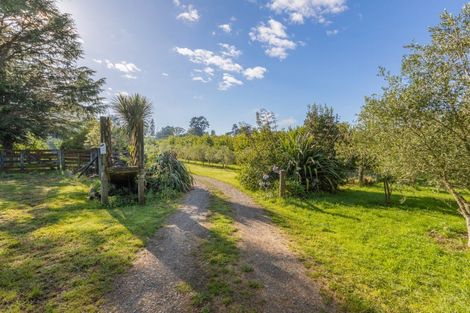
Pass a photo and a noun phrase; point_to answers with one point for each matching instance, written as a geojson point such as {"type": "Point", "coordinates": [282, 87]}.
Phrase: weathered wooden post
{"type": "Point", "coordinates": [62, 160]}
{"type": "Point", "coordinates": [140, 154]}
{"type": "Point", "coordinates": [59, 162]}
{"type": "Point", "coordinates": [22, 161]}
{"type": "Point", "coordinates": [282, 183]}
{"type": "Point", "coordinates": [2, 159]}
{"type": "Point", "coordinates": [105, 157]}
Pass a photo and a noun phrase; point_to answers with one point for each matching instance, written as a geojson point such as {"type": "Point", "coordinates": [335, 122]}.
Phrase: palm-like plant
{"type": "Point", "coordinates": [308, 164]}
{"type": "Point", "coordinates": [134, 111]}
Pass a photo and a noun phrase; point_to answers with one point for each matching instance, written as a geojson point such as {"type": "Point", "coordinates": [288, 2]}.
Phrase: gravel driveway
{"type": "Point", "coordinates": [170, 259]}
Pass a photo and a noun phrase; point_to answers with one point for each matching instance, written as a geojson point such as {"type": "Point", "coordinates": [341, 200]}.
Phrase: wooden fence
{"type": "Point", "coordinates": [43, 160]}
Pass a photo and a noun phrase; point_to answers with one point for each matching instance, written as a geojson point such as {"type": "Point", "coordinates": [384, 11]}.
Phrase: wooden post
{"type": "Point", "coordinates": [97, 156]}
{"type": "Point", "coordinates": [22, 161]}
{"type": "Point", "coordinates": [2, 159]}
{"type": "Point", "coordinates": [140, 154]}
{"type": "Point", "coordinates": [282, 183]}
{"type": "Point", "coordinates": [62, 160]}
{"type": "Point", "coordinates": [59, 162]}
{"type": "Point", "coordinates": [105, 132]}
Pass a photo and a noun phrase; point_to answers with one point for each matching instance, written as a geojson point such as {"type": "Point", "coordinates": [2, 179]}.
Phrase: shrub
{"type": "Point", "coordinates": [298, 153]}
{"type": "Point", "coordinates": [307, 164]}
{"type": "Point", "coordinates": [258, 159]}
{"type": "Point", "coordinates": [167, 172]}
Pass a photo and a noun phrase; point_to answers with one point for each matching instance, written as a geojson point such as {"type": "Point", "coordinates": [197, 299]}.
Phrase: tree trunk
{"type": "Point", "coordinates": [463, 206]}
{"type": "Point", "coordinates": [360, 171]}
{"type": "Point", "coordinates": [387, 191]}
{"type": "Point", "coordinates": [7, 143]}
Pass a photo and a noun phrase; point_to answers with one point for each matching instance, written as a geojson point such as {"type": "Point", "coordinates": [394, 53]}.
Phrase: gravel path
{"type": "Point", "coordinates": [287, 288]}
{"type": "Point", "coordinates": [170, 258]}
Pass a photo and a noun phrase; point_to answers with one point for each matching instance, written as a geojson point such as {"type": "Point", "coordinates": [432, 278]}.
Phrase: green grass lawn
{"type": "Point", "coordinates": [59, 251]}
{"type": "Point", "coordinates": [410, 257]}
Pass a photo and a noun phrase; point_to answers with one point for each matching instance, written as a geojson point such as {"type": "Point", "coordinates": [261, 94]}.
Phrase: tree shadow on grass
{"type": "Point", "coordinates": [371, 199]}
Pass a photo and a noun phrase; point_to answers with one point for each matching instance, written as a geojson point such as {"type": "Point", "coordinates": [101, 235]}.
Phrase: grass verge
{"type": "Point", "coordinates": [59, 252]}
{"type": "Point", "coordinates": [228, 287]}
{"type": "Point", "coordinates": [409, 257]}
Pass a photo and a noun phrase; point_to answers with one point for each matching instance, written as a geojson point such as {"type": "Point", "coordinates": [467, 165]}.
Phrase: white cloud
{"type": "Point", "coordinates": [273, 35]}
{"type": "Point", "coordinates": [206, 57]}
{"type": "Point", "coordinates": [226, 28]}
{"type": "Point", "coordinates": [122, 66]}
{"type": "Point", "coordinates": [129, 69]}
{"type": "Point", "coordinates": [205, 75]}
{"type": "Point", "coordinates": [177, 2]}
{"type": "Point", "coordinates": [208, 70]}
{"type": "Point", "coordinates": [220, 62]}
{"type": "Point", "coordinates": [122, 93]}
{"type": "Point", "coordinates": [229, 50]}
{"type": "Point", "coordinates": [287, 122]}
{"type": "Point", "coordinates": [130, 76]}
{"type": "Point", "coordinates": [228, 81]}
{"type": "Point", "coordinates": [165, 74]}
{"type": "Point", "coordinates": [189, 15]}
{"type": "Point", "coordinates": [254, 73]}
{"type": "Point", "coordinates": [332, 32]}
{"type": "Point", "coordinates": [317, 10]}
{"type": "Point", "coordinates": [201, 79]}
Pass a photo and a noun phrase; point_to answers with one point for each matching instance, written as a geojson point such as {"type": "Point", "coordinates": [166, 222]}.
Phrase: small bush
{"type": "Point", "coordinates": [308, 164]}
{"type": "Point", "coordinates": [169, 173]}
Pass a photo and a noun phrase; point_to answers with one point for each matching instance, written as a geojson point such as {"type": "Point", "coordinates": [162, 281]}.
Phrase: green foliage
{"type": "Point", "coordinates": [323, 125]}
{"type": "Point", "coordinates": [420, 126]}
{"type": "Point", "coordinates": [353, 150]}
{"type": "Point", "coordinates": [134, 111]}
{"type": "Point", "coordinates": [119, 138]}
{"type": "Point", "coordinates": [44, 91]}
{"type": "Point", "coordinates": [308, 164]}
{"type": "Point", "coordinates": [205, 148]}
{"type": "Point", "coordinates": [168, 131]}
{"type": "Point", "coordinates": [295, 151]}
{"type": "Point", "coordinates": [258, 159]}
{"type": "Point", "coordinates": [169, 173]}
{"type": "Point", "coordinates": [198, 125]}
{"type": "Point", "coordinates": [77, 138]}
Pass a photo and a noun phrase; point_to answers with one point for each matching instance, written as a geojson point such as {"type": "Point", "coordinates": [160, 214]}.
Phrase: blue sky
{"type": "Point", "coordinates": [225, 59]}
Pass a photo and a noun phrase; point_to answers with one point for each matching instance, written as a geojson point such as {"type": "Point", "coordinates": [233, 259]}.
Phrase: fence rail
{"type": "Point", "coordinates": [43, 160]}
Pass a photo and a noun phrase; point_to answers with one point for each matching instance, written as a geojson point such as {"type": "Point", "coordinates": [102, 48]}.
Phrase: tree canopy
{"type": "Point", "coordinates": [42, 89]}
{"type": "Point", "coordinates": [198, 125]}
{"type": "Point", "coordinates": [420, 126]}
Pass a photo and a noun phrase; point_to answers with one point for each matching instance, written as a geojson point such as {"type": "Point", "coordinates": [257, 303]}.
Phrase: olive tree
{"type": "Point", "coordinates": [421, 122]}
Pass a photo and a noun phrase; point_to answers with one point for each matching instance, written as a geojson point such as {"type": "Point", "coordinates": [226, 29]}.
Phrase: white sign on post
{"type": "Point", "coordinates": [102, 148]}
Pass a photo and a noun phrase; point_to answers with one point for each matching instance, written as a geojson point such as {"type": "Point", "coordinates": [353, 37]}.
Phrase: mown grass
{"type": "Point", "coordinates": [227, 287]}
{"type": "Point", "coordinates": [409, 257]}
{"type": "Point", "coordinates": [60, 252]}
